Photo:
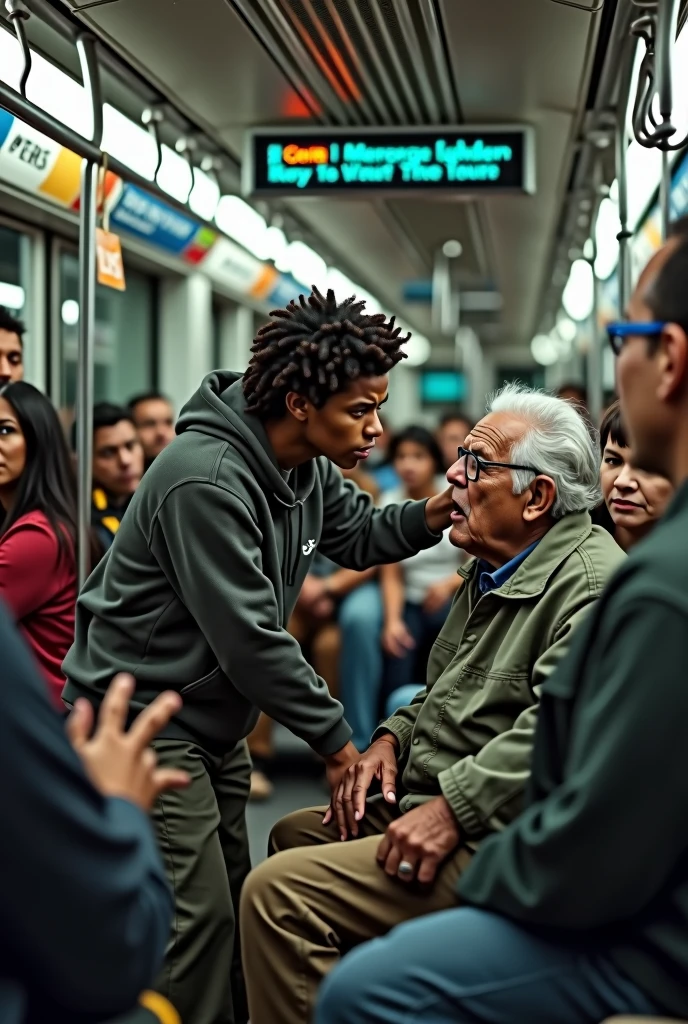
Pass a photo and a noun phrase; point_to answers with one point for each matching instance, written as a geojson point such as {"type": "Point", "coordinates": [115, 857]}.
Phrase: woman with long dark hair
{"type": "Point", "coordinates": [37, 527]}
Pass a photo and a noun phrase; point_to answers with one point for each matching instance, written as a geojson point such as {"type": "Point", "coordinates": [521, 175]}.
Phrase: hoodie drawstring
{"type": "Point", "coordinates": [292, 551]}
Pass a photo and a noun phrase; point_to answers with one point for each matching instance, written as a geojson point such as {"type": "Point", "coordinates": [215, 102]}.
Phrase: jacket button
{"type": "Point", "coordinates": [471, 638]}
{"type": "Point", "coordinates": [416, 742]}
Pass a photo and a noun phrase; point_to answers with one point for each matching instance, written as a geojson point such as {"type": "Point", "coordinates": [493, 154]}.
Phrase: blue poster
{"type": "Point", "coordinates": [141, 214]}
{"type": "Point", "coordinates": [6, 122]}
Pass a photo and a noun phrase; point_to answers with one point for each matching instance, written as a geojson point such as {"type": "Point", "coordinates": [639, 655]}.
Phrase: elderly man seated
{"type": "Point", "coordinates": [454, 764]}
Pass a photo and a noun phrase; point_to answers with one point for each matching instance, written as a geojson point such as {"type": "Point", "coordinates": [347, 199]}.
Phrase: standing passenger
{"type": "Point", "coordinates": [11, 347]}
{"type": "Point", "coordinates": [153, 417]}
{"type": "Point", "coordinates": [197, 589]}
{"type": "Point", "coordinates": [37, 528]}
{"type": "Point", "coordinates": [117, 468]}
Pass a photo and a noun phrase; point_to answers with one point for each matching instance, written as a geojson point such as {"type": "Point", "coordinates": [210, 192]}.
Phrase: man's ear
{"type": "Point", "coordinates": [672, 363]}
{"type": "Point", "coordinates": [297, 405]}
{"type": "Point", "coordinates": [541, 495]}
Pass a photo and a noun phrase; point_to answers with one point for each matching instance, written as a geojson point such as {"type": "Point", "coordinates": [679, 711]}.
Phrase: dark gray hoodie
{"type": "Point", "coordinates": [195, 593]}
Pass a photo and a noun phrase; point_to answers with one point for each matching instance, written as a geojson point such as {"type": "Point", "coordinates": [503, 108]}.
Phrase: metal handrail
{"type": "Point", "coordinates": [658, 29]}
{"type": "Point", "coordinates": [93, 158]}
{"type": "Point", "coordinates": [621, 146]}
{"type": "Point", "coordinates": [86, 48]}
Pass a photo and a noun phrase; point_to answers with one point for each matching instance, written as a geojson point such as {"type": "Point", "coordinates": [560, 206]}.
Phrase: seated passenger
{"type": "Point", "coordinates": [117, 469]}
{"type": "Point", "coordinates": [417, 592]}
{"type": "Point", "coordinates": [635, 500]}
{"type": "Point", "coordinates": [37, 528]}
{"type": "Point", "coordinates": [153, 417]}
{"type": "Point", "coordinates": [579, 909]}
{"type": "Point", "coordinates": [462, 750]}
{"type": "Point", "coordinates": [200, 582]}
{"type": "Point", "coordinates": [452, 431]}
{"type": "Point", "coordinates": [379, 465]}
{"type": "Point", "coordinates": [84, 907]}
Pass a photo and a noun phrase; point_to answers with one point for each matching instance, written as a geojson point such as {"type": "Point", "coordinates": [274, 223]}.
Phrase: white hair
{"type": "Point", "coordinates": [558, 442]}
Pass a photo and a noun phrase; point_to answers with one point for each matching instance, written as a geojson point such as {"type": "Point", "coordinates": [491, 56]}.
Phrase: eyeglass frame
{"type": "Point", "coordinates": [485, 464]}
{"type": "Point", "coordinates": [620, 330]}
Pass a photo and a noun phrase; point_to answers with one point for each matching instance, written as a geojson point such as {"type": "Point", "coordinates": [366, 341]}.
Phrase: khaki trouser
{"type": "Point", "coordinates": [315, 899]}
{"type": "Point", "coordinates": [202, 836]}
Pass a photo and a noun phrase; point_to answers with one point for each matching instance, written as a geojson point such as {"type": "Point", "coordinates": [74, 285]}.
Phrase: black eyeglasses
{"type": "Point", "coordinates": [474, 464]}
{"type": "Point", "coordinates": [623, 329]}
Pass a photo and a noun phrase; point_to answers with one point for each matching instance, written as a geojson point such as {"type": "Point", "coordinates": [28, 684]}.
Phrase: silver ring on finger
{"type": "Point", "coordinates": [405, 869]}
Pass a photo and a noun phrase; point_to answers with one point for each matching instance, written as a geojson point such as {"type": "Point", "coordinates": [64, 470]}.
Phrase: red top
{"type": "Point", "coordinates": [40, 592]}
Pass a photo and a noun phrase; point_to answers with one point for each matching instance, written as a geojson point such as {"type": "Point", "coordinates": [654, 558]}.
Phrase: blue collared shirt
{"type": "Point", "coordinates": [490, 578]}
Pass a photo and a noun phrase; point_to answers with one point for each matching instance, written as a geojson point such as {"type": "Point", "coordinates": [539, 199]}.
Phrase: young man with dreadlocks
{"type": "Point", "coordinates": [197, 588]}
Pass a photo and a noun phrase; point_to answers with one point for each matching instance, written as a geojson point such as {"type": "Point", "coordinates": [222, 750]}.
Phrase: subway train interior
{"type": "Point", "coordinates": [493, 175]}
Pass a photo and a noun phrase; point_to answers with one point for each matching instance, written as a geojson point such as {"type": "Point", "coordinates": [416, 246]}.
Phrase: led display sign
{"type": "Point", "coordinates": [329, 161]}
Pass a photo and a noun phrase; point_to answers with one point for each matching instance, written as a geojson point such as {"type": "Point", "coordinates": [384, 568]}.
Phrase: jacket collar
{"type": "Point", "coordinates": [533, 574]}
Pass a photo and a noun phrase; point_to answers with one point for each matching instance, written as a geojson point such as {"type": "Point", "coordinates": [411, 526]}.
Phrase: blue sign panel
{"type": "Point", "coordinates": [149, 218]}
{"type": "Point", "coordinates": [6, 122]}
{"type": "Point", "coordinates": [327, 161]}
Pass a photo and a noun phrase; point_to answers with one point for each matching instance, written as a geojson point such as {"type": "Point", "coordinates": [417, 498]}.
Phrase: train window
{"type": "Point", "coordinates": [124, 337]}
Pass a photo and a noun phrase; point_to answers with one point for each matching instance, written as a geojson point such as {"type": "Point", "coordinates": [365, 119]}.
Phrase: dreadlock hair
{"type": "Point", "coordinates": [316, 347]}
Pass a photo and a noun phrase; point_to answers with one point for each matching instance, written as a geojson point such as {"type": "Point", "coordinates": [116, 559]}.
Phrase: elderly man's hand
{"type": "Point", "coordinates": [422, 839]}
{"type": "Point", "coordinates": [349, 799]}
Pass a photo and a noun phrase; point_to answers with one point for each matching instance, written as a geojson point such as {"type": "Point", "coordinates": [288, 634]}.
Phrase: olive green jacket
{"type": "Point", "coordinates": [469, 733]}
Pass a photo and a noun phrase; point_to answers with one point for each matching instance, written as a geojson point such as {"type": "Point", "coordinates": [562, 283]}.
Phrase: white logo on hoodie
{"type": "Point", "coordinates": [308, 547]}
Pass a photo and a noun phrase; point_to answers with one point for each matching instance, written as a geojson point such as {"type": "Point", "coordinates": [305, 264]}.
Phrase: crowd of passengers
{"type": "Point", "coordinates": [501, 608]}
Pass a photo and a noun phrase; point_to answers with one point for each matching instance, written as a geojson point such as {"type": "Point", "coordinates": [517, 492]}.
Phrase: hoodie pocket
{"type": "Point", "coordinates": [198, 684]}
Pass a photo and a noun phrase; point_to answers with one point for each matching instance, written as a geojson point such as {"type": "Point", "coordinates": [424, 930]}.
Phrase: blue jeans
{"type": "Point", "coordinates": [401, 698]}
{"type": "Point", "coordinates": [360, 624]}
{"type": "Point", "coordinates": [423, 627]}
{"type": "Point", "coordinates": [466, 966]}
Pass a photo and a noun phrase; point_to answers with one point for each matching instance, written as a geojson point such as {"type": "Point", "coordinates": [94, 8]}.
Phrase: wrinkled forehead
{"type": "Point", "coordinates": [494, 436]}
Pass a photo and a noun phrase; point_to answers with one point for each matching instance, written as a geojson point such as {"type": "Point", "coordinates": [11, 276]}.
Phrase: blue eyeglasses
{"type": "Point", "coordinates": [618, 332]}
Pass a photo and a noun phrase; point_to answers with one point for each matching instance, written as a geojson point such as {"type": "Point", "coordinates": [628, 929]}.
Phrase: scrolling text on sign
{"type": "Point", "coordinates": [402, 162]}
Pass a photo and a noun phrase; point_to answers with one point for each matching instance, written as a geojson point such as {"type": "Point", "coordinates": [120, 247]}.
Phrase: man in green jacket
{"type": "Point", "coordinates": [204, 572]}
{"type": "Point", "coordinates": [580, 908]}
{"type": "Point", "coordinates": [522, 490]}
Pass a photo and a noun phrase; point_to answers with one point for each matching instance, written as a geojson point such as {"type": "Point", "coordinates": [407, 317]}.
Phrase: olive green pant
{"type": "Point", "coordinates": [202, 837]}
{"type": "Point", "coordinates": [315, 898]}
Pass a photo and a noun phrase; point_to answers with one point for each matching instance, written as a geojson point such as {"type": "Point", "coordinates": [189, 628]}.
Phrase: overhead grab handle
{"type": "Point", "coordinates": [18, 13]}
{"type": "Point", "coordinates": [90, 73]}
{"type": "Point", "coordinates": [152, 118]}
{"type": "Point", "coordinates": [186, 147]}
{"type": "Point", "coordinates": [654, 128]}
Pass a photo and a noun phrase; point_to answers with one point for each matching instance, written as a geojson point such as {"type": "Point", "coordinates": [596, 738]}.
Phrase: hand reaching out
{"type": "Point", "coordinates": [119, 763]}
{"type": "Point", "coordinates": [396, 639]}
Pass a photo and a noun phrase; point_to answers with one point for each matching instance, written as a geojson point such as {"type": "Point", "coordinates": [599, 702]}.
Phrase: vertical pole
{"type": "Point", "coordinates": [595, 386]}
{"type": "Point", "coordinates": [86, 47]}
{"type": "Point", "coordinates": [84, 402]}
{"type": "Point", "coordinates": [664, 196]}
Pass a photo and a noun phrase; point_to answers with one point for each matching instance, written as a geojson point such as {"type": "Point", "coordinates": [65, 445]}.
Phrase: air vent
{"type": "Point", "coordinates": [360, 62]}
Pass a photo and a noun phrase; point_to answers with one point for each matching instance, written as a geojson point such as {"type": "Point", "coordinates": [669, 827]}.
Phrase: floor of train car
{"type": "Point", "coordinates": [299, 780]}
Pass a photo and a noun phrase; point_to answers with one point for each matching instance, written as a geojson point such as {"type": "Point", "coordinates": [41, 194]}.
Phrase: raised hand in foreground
{"type": "Point", "coordinates": [122, 763]}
